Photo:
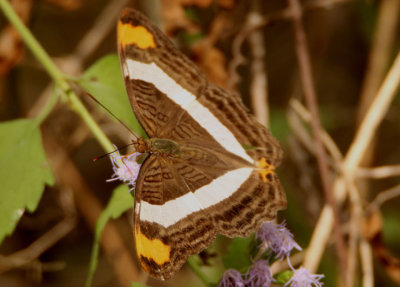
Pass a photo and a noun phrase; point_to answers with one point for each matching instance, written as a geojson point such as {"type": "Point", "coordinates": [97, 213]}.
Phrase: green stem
{"type": "Point", "coordinates": [56, 75]}
{"type": "Point", "coordinates": [192, 262]}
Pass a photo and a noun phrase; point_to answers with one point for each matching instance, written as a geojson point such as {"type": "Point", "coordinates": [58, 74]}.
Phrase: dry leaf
{"type": "Point", "coordinates": [11, 48]}
{"type": "Point", "coordinates": [372, 230]}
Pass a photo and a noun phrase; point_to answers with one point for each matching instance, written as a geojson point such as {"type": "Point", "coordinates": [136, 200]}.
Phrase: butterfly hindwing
{"type": "Point", "coordinates": [181, 207]}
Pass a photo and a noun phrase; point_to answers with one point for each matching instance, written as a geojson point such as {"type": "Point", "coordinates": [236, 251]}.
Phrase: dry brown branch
{"type": "Point", "coordinates": [366, 260]}
{"type": "Point", "coordinates": [356, 210]}
{"type": "Point", "coordinates": [382, 46]}
{"type": "Point", "coordinates": [286, 14]}
{"type": "Point", "coordinates": [352, 247]}
{"type": "Point", "coordinates": [311, 100]}
{"type": "Point", "coordinates": [329, 143]}
{"type": "Point", "coordinates": [300, 131]}
{"type": "Point", "coordinates": [379, 172]}
{"type": "Point", "coordinates": [259, 77]}
{"type": "Point", "coordinates": [373, 117]}
{"type": "Point", "coordinates": [354, 231]}
{"type": "Point", "coordinates": [104, 23]}
{"type": "Point", "coordinates": [30, 254]}
{"type": "Point", "coordinates": [237, 57]}
{"type": "Point", "coordinates": [364, 134]}
{"type": "Point", "coordinates": [279, 266]}
{"type": "Point", "coordinates": [37, 248]}
{"type": "Point", "coordinates": [385, 195]}
{"type": "Point", "coordinates": [300, 156]}
{"type": "Point", "coordinates": [379, 57]}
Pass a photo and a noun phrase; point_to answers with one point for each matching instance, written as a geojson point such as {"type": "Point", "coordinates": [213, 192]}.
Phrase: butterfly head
{"type": "Point", "coordinates": [140, 145]}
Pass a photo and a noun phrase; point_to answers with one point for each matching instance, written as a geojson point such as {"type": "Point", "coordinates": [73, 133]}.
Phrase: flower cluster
{"type": "Point", "coordinates": [302, 278]}
{"type": "Point", "coordinates": [259, 274]}
{"type": "Point", "coordinates": [231, 278]}
{"type": "Point", "coordinates": [278, 239]}
{"type": "Point", "coordinates": [126, 168]}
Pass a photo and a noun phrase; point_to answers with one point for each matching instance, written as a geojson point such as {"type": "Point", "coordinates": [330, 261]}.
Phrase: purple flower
{"type": "Point", "coordinates": [231, 278]}
{"type": "Point", "coordinates": [126, 168]}
{"type": "Point", "coordinates": [278, 238]}
{"type": "Point", "coordinates": [259, 275]}
{"type": "Point", "coordinates": [303, 278]}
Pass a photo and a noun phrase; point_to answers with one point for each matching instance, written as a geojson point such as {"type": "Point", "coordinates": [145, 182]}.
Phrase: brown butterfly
{"type": "Point", "coordinates": [198, 180]}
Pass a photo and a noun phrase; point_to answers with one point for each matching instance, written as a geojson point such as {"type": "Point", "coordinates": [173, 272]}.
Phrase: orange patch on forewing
{"type": "Point", "coordinates": [264, 169]}
{"type": "Point", "coordinates": [138, 35]}
{"type": "Point", "coordinates": [152, 248]}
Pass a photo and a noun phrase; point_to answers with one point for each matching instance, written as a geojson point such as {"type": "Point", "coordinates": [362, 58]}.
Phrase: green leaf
{"type": "Point", "coordinates": [104, 81]}
{"type": "Point", "coordinates": [23, 171]}
{"type": "Point", "coordinates": [283, 277]}
{"type": "Point", "coordinates": [238, 255]}
{"type": "Point", "coordinates": [135, 284]}
{"type": "Point", "coordinates": [120, 201]}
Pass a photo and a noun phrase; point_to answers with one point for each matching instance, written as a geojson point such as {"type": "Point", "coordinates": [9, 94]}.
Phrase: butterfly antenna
{"type": "Point", "coordinates": [114, 116]}
{"type": "Point", "coordinates": [106, 154]}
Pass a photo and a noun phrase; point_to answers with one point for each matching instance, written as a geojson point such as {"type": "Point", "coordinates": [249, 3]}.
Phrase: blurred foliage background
{"type": "Point", "coordinates": [352, 44]}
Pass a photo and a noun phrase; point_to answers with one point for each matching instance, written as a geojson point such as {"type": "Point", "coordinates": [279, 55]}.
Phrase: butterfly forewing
{"type": "Point", "coordinates": [210, 184]}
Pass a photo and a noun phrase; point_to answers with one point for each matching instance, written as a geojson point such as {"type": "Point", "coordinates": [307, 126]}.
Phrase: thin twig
{"type": "Point", "coordinates": [259, 77]}
{"type": "Point", "coordinates": [329, 143]}
{"type": "Point", "coordinates": [301, 158]}
{"type": "Point", "coordinates": [373, 117]}
{"type": "Point", "coordinates": [295, 260]}
{"type": "Point", "coordinates": [366, 131]}
{"type": "Point", "coordinates": [311, 100]}
{"type": "Point", "coordinates": [352, 246]}
{"type": "Point", "coordinates": [237, 57]}
{"type": "Point", "coordinates": [366, 260]}
{"type": "Point", "coordinates": [33, 251]}
{"type": "Point", "coordinates": [354, 232]}
{"type": "Point", "coordinates": [286, 14]}
{"type": "Point", "coordinates": [379, 58]}
{"type": "Point", "coordinates": [379, 172]}
{"type": "Point", "coordinates": [381, 51]}
{"type": "Point", "coordinates": [45, 242]}
{"type": "Point", "coordinates": [103, 24]}
{"type": "Point", "coordinates": [385, 195]}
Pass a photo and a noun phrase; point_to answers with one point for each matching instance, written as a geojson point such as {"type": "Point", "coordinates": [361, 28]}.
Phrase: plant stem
{"type": "Point", "coordinates": [56, 75]}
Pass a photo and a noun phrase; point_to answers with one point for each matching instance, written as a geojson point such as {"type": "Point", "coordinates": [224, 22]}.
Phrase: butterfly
{"type": "Point", "coordinates": [198, 179]}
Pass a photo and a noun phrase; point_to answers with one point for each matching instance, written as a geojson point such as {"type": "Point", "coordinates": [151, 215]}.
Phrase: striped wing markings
{"type": "Point", "coordinates": [208, 195]}
{"type": "Point", "coordinates": [148, 72]}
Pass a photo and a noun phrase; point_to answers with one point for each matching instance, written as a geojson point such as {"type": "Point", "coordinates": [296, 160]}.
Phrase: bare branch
{"type": "Point", "coordinates": [311, 100]}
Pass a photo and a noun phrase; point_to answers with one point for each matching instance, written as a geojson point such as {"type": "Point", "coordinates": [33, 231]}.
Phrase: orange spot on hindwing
{"type": "Point", "coordinates": [152, 249]}
{"type": "Point", "coordinates": [265, 169]}
{"type": "Point", "coordinates": [139, 35]}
